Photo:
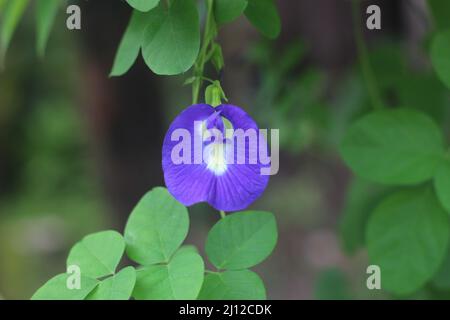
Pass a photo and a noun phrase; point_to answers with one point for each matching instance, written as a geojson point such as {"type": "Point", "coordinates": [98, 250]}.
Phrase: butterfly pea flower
{"type": "Point", "coordinates": [204, 158]}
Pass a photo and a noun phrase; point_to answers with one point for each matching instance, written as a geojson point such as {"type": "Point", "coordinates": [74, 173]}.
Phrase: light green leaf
{"type": "Point", "coordinates": [442, 184]}
{"type": "Point", "coordinates": [440, 56]}
{"type": "Point", "coordinates": [361, 199]}
{"type": "Point", "coordinates": [45, 16]}
{"type": "Point", "coordinates": [233, 285]}
{"type": "Point", "coordinates": [130, 45]}
{"type": "Point", "coordinates": [117, 287]}
{"type": "Point", "coordinates": [180, 279]}
{"type": "Point", "coordinates": [13, 12]}
{"type": "Point", "coordinates": [172, 38]}
{"type": "Point", "coordinates": [217, 57]}
{"type": "Point", "coordinates": [56, 289]}
{"type": "Point", "coordinates": [143, 5]}
{"type": "Point", "coordinates": [263, 14]}
{"type": "Point", "coordinates": [228, 10]}
{"type": "Point", "coordinates": [98, 254]}
{"type": "Point", "coordinates": [156, 228]}
{"type": "Point", "coordinates": [242, 240]}
{"type": "Point", "coordinates": [394, 147]}
{"type": "Point", "coordinates": [407, 238]}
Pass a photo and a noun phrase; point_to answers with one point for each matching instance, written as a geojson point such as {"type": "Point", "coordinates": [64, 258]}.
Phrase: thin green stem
{"type": "Point", "coordinates": [222, 214]}
{"type": "Point", "coordinates": [363, 57]}
{"type": "Point", "coordinates": [209, 34]}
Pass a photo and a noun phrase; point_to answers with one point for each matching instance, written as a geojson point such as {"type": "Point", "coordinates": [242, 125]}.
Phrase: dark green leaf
{"type": "Point", "coordinates": [440, 53]}
{"type": "Point", "coordinates": [143, 5]}
{"type": "Point", "coordinates": [233, 285]}
{"type": "Point", "coordinates": [263, 14]}
{"type": "Point", "coordinates": [441, 279]}
{"type": "Point", "coordinates": [332, 285]}
{"type": "Point", "coordinates": [117, 287]}
{"type": "Point", "coordinates": [45, 16]}
{"type": "Point", "coordinates": [394, 147]}
{"type": "Point", "coordinates": [442, 184]}
{"type": "Point", "coordinates": [11, 17]}
{"type": "Point", "coordinates": [242, 240]}
{"type": "Point", "coordinates": [407, 238]}
{"type": "Point", "coordinates": [362, 197]}
{"type": "Point", "coordinates": [228, 10]}
{"type": "Point", "coordinates": [180, 279]}
{"type": "Point", "coordinates": [130, 44]}
{"type": "Point", "coordinates": [172, 38]}
{"type": "Point", "coordinates": [56, 289]}
{"type": "Point", "coordinates": [98, 254]}
{"type": "Point", "coordinates": [440, 11]}
{"type": "Point", "coordinates": [156, 228]}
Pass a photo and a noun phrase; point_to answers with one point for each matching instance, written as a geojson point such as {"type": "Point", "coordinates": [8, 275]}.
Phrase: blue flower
{"type": "Point", "coordinates": [203, 161]}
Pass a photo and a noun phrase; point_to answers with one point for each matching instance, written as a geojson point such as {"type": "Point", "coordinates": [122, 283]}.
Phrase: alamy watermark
{"type": "Point", "coordinates": [218, 149]}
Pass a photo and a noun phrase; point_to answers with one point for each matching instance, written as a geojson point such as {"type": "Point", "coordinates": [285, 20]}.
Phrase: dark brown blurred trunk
{"type": "Point", "coordinates": [123, 114]}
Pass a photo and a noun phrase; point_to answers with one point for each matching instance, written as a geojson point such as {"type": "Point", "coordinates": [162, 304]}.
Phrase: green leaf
{"type": "Point", "coordinates": [441, 279]}
{"type": "Point", "coordinates": [156, 228]}
{"type": "Point", "coordinates": [180, 279]}
{"type": "Point", "coordinates": [45, 16]}
{"type": "Point", "coordinates": [407, 238]}
{"type": "Point", "coordinates": [130, 45]}
{"type": "Point", "coordinates": [217, 57]}
{"type": "Point", "coordinates": [143, 5]}
{"type": "Point", "coordinates": [2, 5]}
{"type": "Point", "coordinates": [172, 38]}
{"type": "Point", "coordinates": [393, 147]}
{"type": "Point", "coordinates": [56, 289]}
{"type": "Point", "coordinates": [228, 10]}
{"type": "Point", "coordinates": [361, 199]}
{"type": "Point", "coordinates": [263, 14]}
{"type": "Point", "coordinates": [98, 254]}
{"type": "Point", "coordinates": [13, 12]}
{"type": "Point", "coordinates": [242, 240]}
{"type": "Point", "coordinates": [233, 285]}
{"type": "Point", "coordinates": [440, 11]}
{"type": "Point", "coordinates": [440, 56]}
{"type": "Point", "coordinates": [332, 285]}
{"type": "Point", "coordinates": [117, 287]}
{"type": "Point", "coordinates": [442, 184]}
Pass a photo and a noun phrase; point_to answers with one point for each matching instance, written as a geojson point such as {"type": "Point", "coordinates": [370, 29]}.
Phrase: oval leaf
{"type": "Point", "coordinates": [393, 147]}
{"type": "Point", "coordinates": [180, 279]}
{"type": "Point", "coordinates": [130, 44]}
{"type": "Point", "coordinates": [228, 10]}
{"type": "Point", "coordinates": [241, 240]}
{"type": "Point", "coordinates": [233, 285]}
{"type": "Point", "coordinates": [98, 254]}
{"type": "Point", "coordinates": [361, 199]}
{"type": "Point", "coordinates": [56, 289]}
{"type": "Point", "coordinates": [143, 5]}
{"type": "Point", "coordinates": [263, 14]}
{"type": "Point", "coordinates": [407, 238]}
{"type": "Point", "coordinates": [442, 184]}
{"type": "Point", "coordinates": [156, 228]}
{"type": "Point", "coordinates": [440, 56]}
{"type": "Point", "coordinates": [118, 287]}
{"type": "Point", "coordinates": [172, 38]}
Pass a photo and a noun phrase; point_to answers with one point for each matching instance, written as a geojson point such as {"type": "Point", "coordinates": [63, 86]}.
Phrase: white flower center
{"type": "Point", "coordinates": [214, 157]}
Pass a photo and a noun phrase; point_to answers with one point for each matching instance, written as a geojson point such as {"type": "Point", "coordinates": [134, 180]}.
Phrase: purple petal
{"type": "Point", "coordinates": [231, 189]}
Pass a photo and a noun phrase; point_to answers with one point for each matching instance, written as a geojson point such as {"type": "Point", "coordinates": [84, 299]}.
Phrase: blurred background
{"type": "Point", "coordinates": [78, 149]}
